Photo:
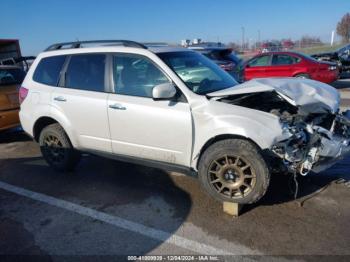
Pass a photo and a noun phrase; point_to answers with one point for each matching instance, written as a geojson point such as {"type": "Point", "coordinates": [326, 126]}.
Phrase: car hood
{"type": "Point", "coordinates": [309, 95]}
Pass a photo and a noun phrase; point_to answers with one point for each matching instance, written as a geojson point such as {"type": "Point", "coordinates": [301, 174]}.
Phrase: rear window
{"type": "Point", "coordinates": [222, 55]}
{"type": "Point", "coordinates": [11, 76]}
{"type": "Point", "coordinates": [48, 70]}
{"type": "Point", "coordinates": [86, 72]}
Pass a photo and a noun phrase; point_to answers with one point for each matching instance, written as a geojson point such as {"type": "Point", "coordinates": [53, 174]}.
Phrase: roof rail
{"type": "Point", "coordinates": [77, 44]}
{"type": "Point", "coordinates": [155, 44]}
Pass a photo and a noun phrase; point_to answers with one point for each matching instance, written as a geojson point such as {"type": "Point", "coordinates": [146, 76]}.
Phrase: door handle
{"type": "Point", "coordinates": [117, 106]}
{"type": "Point", "coordinates": [60, 99]}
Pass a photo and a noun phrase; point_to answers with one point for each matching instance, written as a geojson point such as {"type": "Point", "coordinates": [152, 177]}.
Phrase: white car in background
{"type": "Point", "coordinates": [175, 109]}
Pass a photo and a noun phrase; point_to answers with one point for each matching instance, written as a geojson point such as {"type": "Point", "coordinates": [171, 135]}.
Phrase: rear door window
{"type": "Point", "coordinates": [48, 70]}
{"type": "Point", "coordinates": [260, 61]}
{"type": "Point", "coordinates": [86, 72]}
{"type": "Point", "coordinates": [284, 60]}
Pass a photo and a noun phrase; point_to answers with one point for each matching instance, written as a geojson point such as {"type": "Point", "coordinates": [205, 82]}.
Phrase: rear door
{"type": "Point", "coordinates": [256, 68]}
{"type": "Point", "coordinates": [282, 65]}
{"type": "Point", "coordinates": [82, 99]}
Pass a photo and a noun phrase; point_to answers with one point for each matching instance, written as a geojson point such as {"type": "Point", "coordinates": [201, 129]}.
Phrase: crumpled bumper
{"type": "Point", "coordinates": [332, 151]}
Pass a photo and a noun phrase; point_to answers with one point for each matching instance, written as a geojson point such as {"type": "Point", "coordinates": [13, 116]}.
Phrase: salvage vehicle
{"type": "Point", "coordinates": [341, 57]}
{"type": "Point", "coordinates": [289, 64]}
{"type": "Point", "coordinates": [11, 78]}
{"type": "Point", "coordinates": [175, 109]}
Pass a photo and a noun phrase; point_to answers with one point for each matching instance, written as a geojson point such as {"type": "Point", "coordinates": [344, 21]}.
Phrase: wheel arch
{"type": "Point", "coordinates": [43, 122]}
{"type": "Point", "coordinates": [301, 73]}
{"type": "Point", "coordinates": [221, 137]}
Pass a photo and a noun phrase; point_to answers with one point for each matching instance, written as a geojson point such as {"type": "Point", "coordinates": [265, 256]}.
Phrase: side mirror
{"type": "Point", "coordinates": [163, 91]}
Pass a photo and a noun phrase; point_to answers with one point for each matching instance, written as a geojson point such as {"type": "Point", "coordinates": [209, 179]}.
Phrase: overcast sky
{"type": "Point", "coordinates": [39, 23]}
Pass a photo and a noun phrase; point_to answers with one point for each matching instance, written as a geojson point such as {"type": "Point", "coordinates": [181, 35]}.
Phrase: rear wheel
{"type": "Point", "coordinates": [304, 76]}
{"type": "Point", "coordinates": [234, 171]}
{"type": "Point", "coordinates": [57, 149]}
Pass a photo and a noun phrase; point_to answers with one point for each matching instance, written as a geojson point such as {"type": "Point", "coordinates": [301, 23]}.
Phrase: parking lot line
{"type": "Point", "coordinates": [119, 222]}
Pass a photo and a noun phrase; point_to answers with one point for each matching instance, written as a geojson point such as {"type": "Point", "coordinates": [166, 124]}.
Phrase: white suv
{"type": "Point", "coordinates": [175, 109]}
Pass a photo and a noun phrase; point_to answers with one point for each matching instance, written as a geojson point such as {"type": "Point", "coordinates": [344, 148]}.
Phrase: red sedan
{"type": "Point", "coordinates": [290, 64]}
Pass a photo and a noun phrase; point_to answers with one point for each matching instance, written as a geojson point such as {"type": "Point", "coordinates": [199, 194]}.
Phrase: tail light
{"type": "Point", "coordinates": [332, 67]}
{"type": "Point", "coordinates": [23, 92]}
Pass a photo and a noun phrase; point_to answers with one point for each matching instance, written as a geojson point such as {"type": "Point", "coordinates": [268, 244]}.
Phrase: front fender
{"type": "Point", "coordinates": [219, 119]}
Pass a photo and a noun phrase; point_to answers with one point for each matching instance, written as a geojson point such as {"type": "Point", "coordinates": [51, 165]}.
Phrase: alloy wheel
{"type": "Point", "coordinates": [232, 176]}
{"type": "Point", "coordinates": [54, 149]}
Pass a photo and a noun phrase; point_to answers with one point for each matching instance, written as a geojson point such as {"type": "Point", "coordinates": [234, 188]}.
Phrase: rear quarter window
{"type": "Point", "coordinates": [48, 70]}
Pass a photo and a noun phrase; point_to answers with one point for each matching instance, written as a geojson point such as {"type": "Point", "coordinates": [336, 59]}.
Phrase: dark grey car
{"type": "Point", "coordinates": [222, 56]}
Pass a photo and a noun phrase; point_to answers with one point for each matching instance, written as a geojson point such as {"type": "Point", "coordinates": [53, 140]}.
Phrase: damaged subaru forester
{"type": "Point", "coordinates": [175, 109]}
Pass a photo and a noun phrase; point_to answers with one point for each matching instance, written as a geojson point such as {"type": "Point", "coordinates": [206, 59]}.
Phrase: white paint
{"type": "Point", "coordinates": [119, 222]}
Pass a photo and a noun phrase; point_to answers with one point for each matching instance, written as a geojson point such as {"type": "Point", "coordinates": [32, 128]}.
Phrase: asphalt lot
{"type": "Point", "coordinates": [108, 208]}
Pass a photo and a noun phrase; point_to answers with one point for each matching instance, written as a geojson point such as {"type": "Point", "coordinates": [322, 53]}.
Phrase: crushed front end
{"type": "Point", "coordinates": [316, 142]}
{"type": "Point", "coordinates": [316, 135]}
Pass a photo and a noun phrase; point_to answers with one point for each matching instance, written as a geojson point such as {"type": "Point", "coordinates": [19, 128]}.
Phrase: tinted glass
{"type": "Point", "coordinates": [11, 76]}
{"type": "Point", "coordinates": [48, 70]}
{"type": "Point", "coordinates": [260, 61]}
{"type": "Point", "coordinates": [86, 72]}
{"type": "Point", "coordinates": [224, 55]}
{"type": "Point", "coordinates": [234, 58]}
{"type": "Point", "coordinates": [284, 60]}
{"type": "Point", "coordinates": [343, 49]}
{"type": "Point", "coordinates": [136, 75]}
{"type": "Point", "coordinates": [199, 73]}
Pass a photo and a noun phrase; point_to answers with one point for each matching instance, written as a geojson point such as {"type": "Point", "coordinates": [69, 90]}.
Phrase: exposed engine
{"type": "Point", "coordinates": [316, 140]}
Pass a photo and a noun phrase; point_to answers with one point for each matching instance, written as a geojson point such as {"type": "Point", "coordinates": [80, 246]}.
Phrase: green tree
{"type": "Point", "coordinates": [343, 28]}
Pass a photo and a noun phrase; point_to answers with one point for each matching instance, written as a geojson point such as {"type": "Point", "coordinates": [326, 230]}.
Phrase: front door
{"type": "Point", "coordinates": [140, 126]}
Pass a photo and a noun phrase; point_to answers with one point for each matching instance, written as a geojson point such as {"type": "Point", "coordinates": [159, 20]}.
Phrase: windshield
{"type": "Point", "coordinates": [11, 76]}
{"type": "Point", "coordinates": [199, 73]}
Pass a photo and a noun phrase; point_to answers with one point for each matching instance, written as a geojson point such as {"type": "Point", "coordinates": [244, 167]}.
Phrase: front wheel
{"type": "Point", "coordinates": [57, 149]}
{"type": "Point", "coordinates": [233, 170]}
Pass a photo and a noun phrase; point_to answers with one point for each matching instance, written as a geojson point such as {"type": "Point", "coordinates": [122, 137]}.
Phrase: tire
{"type": "Point", "coordinates": [304, 76]}
{"type": "Point", "coordinates": [233, 170]}
{"type": "Point", "coordinates": [57, 149]}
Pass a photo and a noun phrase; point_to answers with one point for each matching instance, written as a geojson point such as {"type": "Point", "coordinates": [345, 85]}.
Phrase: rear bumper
{"type": "Point", "coordinates": [26, 123]}
{"type": "Point", "coordinates": [9, 119]}
{"type": "Point", "coordinates": [327, 76]}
